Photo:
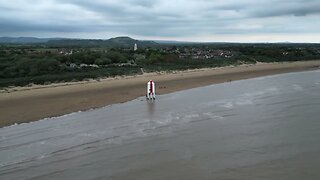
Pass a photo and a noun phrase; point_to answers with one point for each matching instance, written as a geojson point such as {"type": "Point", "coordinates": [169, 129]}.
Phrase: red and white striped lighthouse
{"type": "Point", "coordinates": [151, 90]}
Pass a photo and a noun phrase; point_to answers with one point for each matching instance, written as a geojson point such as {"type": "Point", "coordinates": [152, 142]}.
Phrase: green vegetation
{"type": "Point", "coordinates": [42, 64]}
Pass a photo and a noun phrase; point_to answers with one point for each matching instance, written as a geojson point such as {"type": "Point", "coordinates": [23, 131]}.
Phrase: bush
{"type": "Point", "coordinates": [103, 61]}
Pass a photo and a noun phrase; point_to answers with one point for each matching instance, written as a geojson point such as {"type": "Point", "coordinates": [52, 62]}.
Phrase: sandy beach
{"type": "Point", "coordinates": [26, 104]}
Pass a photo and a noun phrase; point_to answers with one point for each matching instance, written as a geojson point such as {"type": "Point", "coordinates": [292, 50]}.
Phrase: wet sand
{"type": "Point", "coordinates": [22, 105]}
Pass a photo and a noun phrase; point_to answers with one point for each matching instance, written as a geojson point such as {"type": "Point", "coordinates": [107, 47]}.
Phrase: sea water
{"type": "Point", "coordinates": [262, 128]}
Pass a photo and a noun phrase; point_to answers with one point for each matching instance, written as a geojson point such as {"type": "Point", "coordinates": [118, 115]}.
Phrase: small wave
{"type": "Point", "coordinates": [303, 105]}
{"type": "Point", "coordinates": [84, 145]}
{"type": "Point", "coordinates": [260, 93]}
{"type": "Point", "coordinates": [228, 115]}
{"type": "Point", "coordinates": [200, 120]}
{"type": "Point", "coordinates": [297, 87]}
{"type": "Point", "coordinates": [122, 127]}
{"type": "Point", "coordinates": [213, 115]}
{"type": "Point", "coordinates": [162, 127]}
{"type": "Point", "coordinates": [281, 102]}
{"type": "Point", "coordinates": [244, 102]}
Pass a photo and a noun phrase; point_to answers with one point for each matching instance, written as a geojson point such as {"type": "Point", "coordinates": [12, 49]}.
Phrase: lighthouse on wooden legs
{"type": "Point", "coordinates": [151, 90]}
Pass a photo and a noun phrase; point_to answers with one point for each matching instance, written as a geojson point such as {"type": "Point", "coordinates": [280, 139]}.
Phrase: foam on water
{"type": "Point", "coordinates": [297, 87]}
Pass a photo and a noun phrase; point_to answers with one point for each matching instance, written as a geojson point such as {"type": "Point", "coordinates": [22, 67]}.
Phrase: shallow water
{"type": "Point", "coordinates": [262, 128]}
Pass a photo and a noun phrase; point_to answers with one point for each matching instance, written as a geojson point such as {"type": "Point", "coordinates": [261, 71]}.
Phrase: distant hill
{"type": "Point", "coordinates": [63, 42]}
{"type": "Point", "coordinates": [76, 43]}
{"type": "Point", "coordinates": [113, 42]}
{"type": "Point", "coordinates": [24, 40]}
{"type": "Point", "coordinates": [122, 41]}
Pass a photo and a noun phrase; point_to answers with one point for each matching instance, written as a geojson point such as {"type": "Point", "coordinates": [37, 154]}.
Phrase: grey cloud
{"type": "Point", "coordinates": [144, 3]}
{"type": "Point", "coordinates": [21, 27]}
{"type": "Point", "coordinates": [167, 18]}
{"type": "Point", "coordinates": [287, 9]}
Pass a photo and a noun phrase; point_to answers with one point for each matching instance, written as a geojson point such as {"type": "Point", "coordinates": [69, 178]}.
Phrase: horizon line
{"type": "Point", "coordinates": [168, 40]}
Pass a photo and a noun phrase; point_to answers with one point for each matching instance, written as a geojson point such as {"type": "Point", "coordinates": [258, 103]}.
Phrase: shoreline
{"type": "Point", "coordinates": [27, 104]}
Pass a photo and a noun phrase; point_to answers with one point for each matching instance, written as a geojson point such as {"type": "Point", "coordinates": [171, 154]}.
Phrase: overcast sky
{"type": "Point", "coordinates": [188, 20]}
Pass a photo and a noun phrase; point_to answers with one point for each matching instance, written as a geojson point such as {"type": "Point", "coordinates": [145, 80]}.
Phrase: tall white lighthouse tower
{"type": "Point", "coordinates": [135, 47]}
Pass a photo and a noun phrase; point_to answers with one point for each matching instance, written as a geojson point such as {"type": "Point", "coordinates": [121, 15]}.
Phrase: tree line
{"type": "Point", "coordinates": [21, 65]}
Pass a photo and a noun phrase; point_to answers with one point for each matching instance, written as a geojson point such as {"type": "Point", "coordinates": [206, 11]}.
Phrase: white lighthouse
{"type": "Point", "coordinates": [135, 47]}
